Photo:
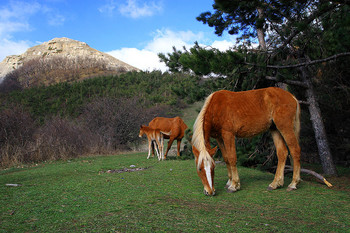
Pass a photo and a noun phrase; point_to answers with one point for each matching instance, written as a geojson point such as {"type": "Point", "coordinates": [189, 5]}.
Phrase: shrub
{"type": "Point", "coordinates": [16, 134]}
{"type": "Point", "coordinates": [187, 153]}
{"type": "Point", "coordinates": [62, 139]}
{"type": "Point", "coordinates": [117, 121]}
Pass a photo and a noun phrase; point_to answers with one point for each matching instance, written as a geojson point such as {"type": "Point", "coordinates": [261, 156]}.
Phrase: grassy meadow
{"type": "Point", "coordinates": [80, 195]}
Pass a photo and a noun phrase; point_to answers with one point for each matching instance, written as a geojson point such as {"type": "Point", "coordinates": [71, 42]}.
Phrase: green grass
{"type": "Point", "coordinates": [79, 195]}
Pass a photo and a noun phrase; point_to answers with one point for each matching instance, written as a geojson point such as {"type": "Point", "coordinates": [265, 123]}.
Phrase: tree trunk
{"type": "Point", "coordinates": [260, 31]}
{"type": "Point", "coordinates": [318, 127]}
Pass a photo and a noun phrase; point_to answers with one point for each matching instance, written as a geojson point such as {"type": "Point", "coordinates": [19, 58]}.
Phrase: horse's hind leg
{"type": "Point", "coordinates": [178, 146]}
{"type": "Point", "coordinates": [170, 142]}
{"type": "Point", "coordinates": [156, 146]}
{"type": "Point", "coordinates": [282, 153]}
{"type": "Point", "coordinates": [286, 123]}
{"type": "Point", "coordinates": [294, 148]}
{"type": "Point", "coordinates": [162, 146]}
{"type": "Point", "coordinates": [291, 140]}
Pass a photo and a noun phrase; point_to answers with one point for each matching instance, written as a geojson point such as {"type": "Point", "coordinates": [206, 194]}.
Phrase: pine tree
{"type": "Point", "coordinates": [290, 35]}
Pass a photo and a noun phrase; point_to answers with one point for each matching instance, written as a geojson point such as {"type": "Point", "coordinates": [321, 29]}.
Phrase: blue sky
{"type": "Point", "coordinates": [133, 31]}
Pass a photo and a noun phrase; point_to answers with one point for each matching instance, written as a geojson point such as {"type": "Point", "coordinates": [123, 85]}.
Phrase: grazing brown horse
{"type": "Point", "coordinates": [156, 137]}
{"type": "Point", "coordinates": [226, 115]}
{"type": "Point", "coordinates": [174, 125]}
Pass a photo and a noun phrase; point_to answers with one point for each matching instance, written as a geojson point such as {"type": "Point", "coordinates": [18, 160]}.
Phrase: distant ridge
{"type": "Point", "coordinates": [67, 49]}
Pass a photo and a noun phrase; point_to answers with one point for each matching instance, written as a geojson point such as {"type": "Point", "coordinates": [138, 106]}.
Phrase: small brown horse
{"type": "Point", "coordinates": [174, 125]}
{"type": "Point", "coordinates": [226, 115]}
{"type": "Point", "coordinates": [156, 137]}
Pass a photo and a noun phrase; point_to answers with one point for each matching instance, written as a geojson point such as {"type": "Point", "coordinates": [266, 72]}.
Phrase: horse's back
{"type": "Point", "coordinates": [175, 125]}
{"type": "Point", "coordinates": [252, 102]}
{"type": "Point", "coordinates": [247, 113]}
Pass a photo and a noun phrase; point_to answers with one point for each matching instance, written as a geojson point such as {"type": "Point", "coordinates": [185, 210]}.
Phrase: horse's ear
{"type": "Point", "coordinates": [195, 151]}
{"type": "Point", "coordinates": [212, 151]}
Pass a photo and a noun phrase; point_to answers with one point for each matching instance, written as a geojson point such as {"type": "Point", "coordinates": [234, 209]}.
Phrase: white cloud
{"type": "Point", "coordinates": [222, 45]}
{"type": "Point", "coordinates": [8, 47]}
{"type": "Point", "coordinates": [163, 42]}
{"type": "Point", "coordinates": [108, 8]}
{"type": "Point", "coordinates": [142, 59]}
{"type": "Point", "coordinates": [54, 17]}
{"type": "Point", "coordinates": [15, 17]}
{"type": "Point", "coordinates": [132, 8]}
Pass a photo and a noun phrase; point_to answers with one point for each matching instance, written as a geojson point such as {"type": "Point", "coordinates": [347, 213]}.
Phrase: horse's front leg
{"type": "Point", "coordinates": [228, 149]}
{"type": "Point", "coordinates": [233, 184]}
{"type": "Point", "coordinates": [149, 148]}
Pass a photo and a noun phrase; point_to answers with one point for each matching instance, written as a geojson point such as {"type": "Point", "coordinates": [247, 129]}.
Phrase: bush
{"type": "Point", "coordinates": [16, 134]}
{"type": "Point", "coordinates": [187, 153]}
{"type": "Point", "coordinates": [62, 139]}
{"type": "Point", "coordinates": [10, 83]}
{"type": "Point", "coordinates": [117, 121]}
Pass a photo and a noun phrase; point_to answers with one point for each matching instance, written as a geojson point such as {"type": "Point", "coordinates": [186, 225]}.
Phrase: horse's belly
{"type": "Point", "coordinates": [252, 129]}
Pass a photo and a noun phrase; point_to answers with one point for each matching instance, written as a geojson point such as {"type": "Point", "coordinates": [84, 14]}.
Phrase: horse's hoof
{"type": "Point", "coordinates": [291, 189]}
{"type": "Point", "coordinates": [269, 188]}
{"type": "Point", "coordinates": [231, 190]}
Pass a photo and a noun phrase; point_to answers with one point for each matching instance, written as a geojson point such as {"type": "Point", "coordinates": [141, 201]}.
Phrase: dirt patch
{"type": "Point", "coordinates": [124, 170]}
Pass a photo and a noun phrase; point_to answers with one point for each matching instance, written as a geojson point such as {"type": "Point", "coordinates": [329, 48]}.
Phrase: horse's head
{"type": "Point", "coordinates": [205, 169]}
{"type": "Point", "coordinates": [141, 133]}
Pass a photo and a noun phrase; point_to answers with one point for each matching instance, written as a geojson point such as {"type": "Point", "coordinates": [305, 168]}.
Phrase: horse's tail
{"type": "Point", "coordinates": [198, 140]}
{"type": "Point", "coordinates": [297, 120]}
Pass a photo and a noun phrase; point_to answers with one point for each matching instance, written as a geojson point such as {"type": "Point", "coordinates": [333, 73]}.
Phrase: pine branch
{"type": "Point", "coordinates": [308, 21]}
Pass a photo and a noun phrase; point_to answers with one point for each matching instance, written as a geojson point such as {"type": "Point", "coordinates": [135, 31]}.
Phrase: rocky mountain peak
{"type": "Point", "coordinates": [63, 48]}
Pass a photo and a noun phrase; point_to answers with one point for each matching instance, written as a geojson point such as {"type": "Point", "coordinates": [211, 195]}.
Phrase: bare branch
{"type": "Point", "coordinates": [291, 82]}
{"type": "Point", "coordinates": [315, 174]}
{"type": "Point", "coordinates": [303, 102]}
{"type": "Point", "coordinates": [310, 62]}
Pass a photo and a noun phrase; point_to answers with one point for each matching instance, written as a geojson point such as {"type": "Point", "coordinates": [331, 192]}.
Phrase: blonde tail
{"type": "Point", "coordinates": [297, 121]}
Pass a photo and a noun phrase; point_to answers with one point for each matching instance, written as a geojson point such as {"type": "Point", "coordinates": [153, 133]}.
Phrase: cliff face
{"type": "Point", "coordinates": [67, 49]}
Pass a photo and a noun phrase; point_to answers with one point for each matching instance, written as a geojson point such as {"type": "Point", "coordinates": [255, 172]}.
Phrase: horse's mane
{"type": "Point", "coordinates": [198, 135]}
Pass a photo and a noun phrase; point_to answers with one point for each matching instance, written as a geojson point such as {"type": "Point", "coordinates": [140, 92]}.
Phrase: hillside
{"type": "Point", "coordinates": [60, 59]}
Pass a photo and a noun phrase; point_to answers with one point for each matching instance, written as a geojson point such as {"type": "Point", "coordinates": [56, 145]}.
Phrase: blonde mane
{"type": "Point", "coordinates": [198, 136]}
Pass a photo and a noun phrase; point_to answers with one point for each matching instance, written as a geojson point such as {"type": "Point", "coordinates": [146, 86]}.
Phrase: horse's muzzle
{"type": "Point", "coordinates": [209, 194]}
